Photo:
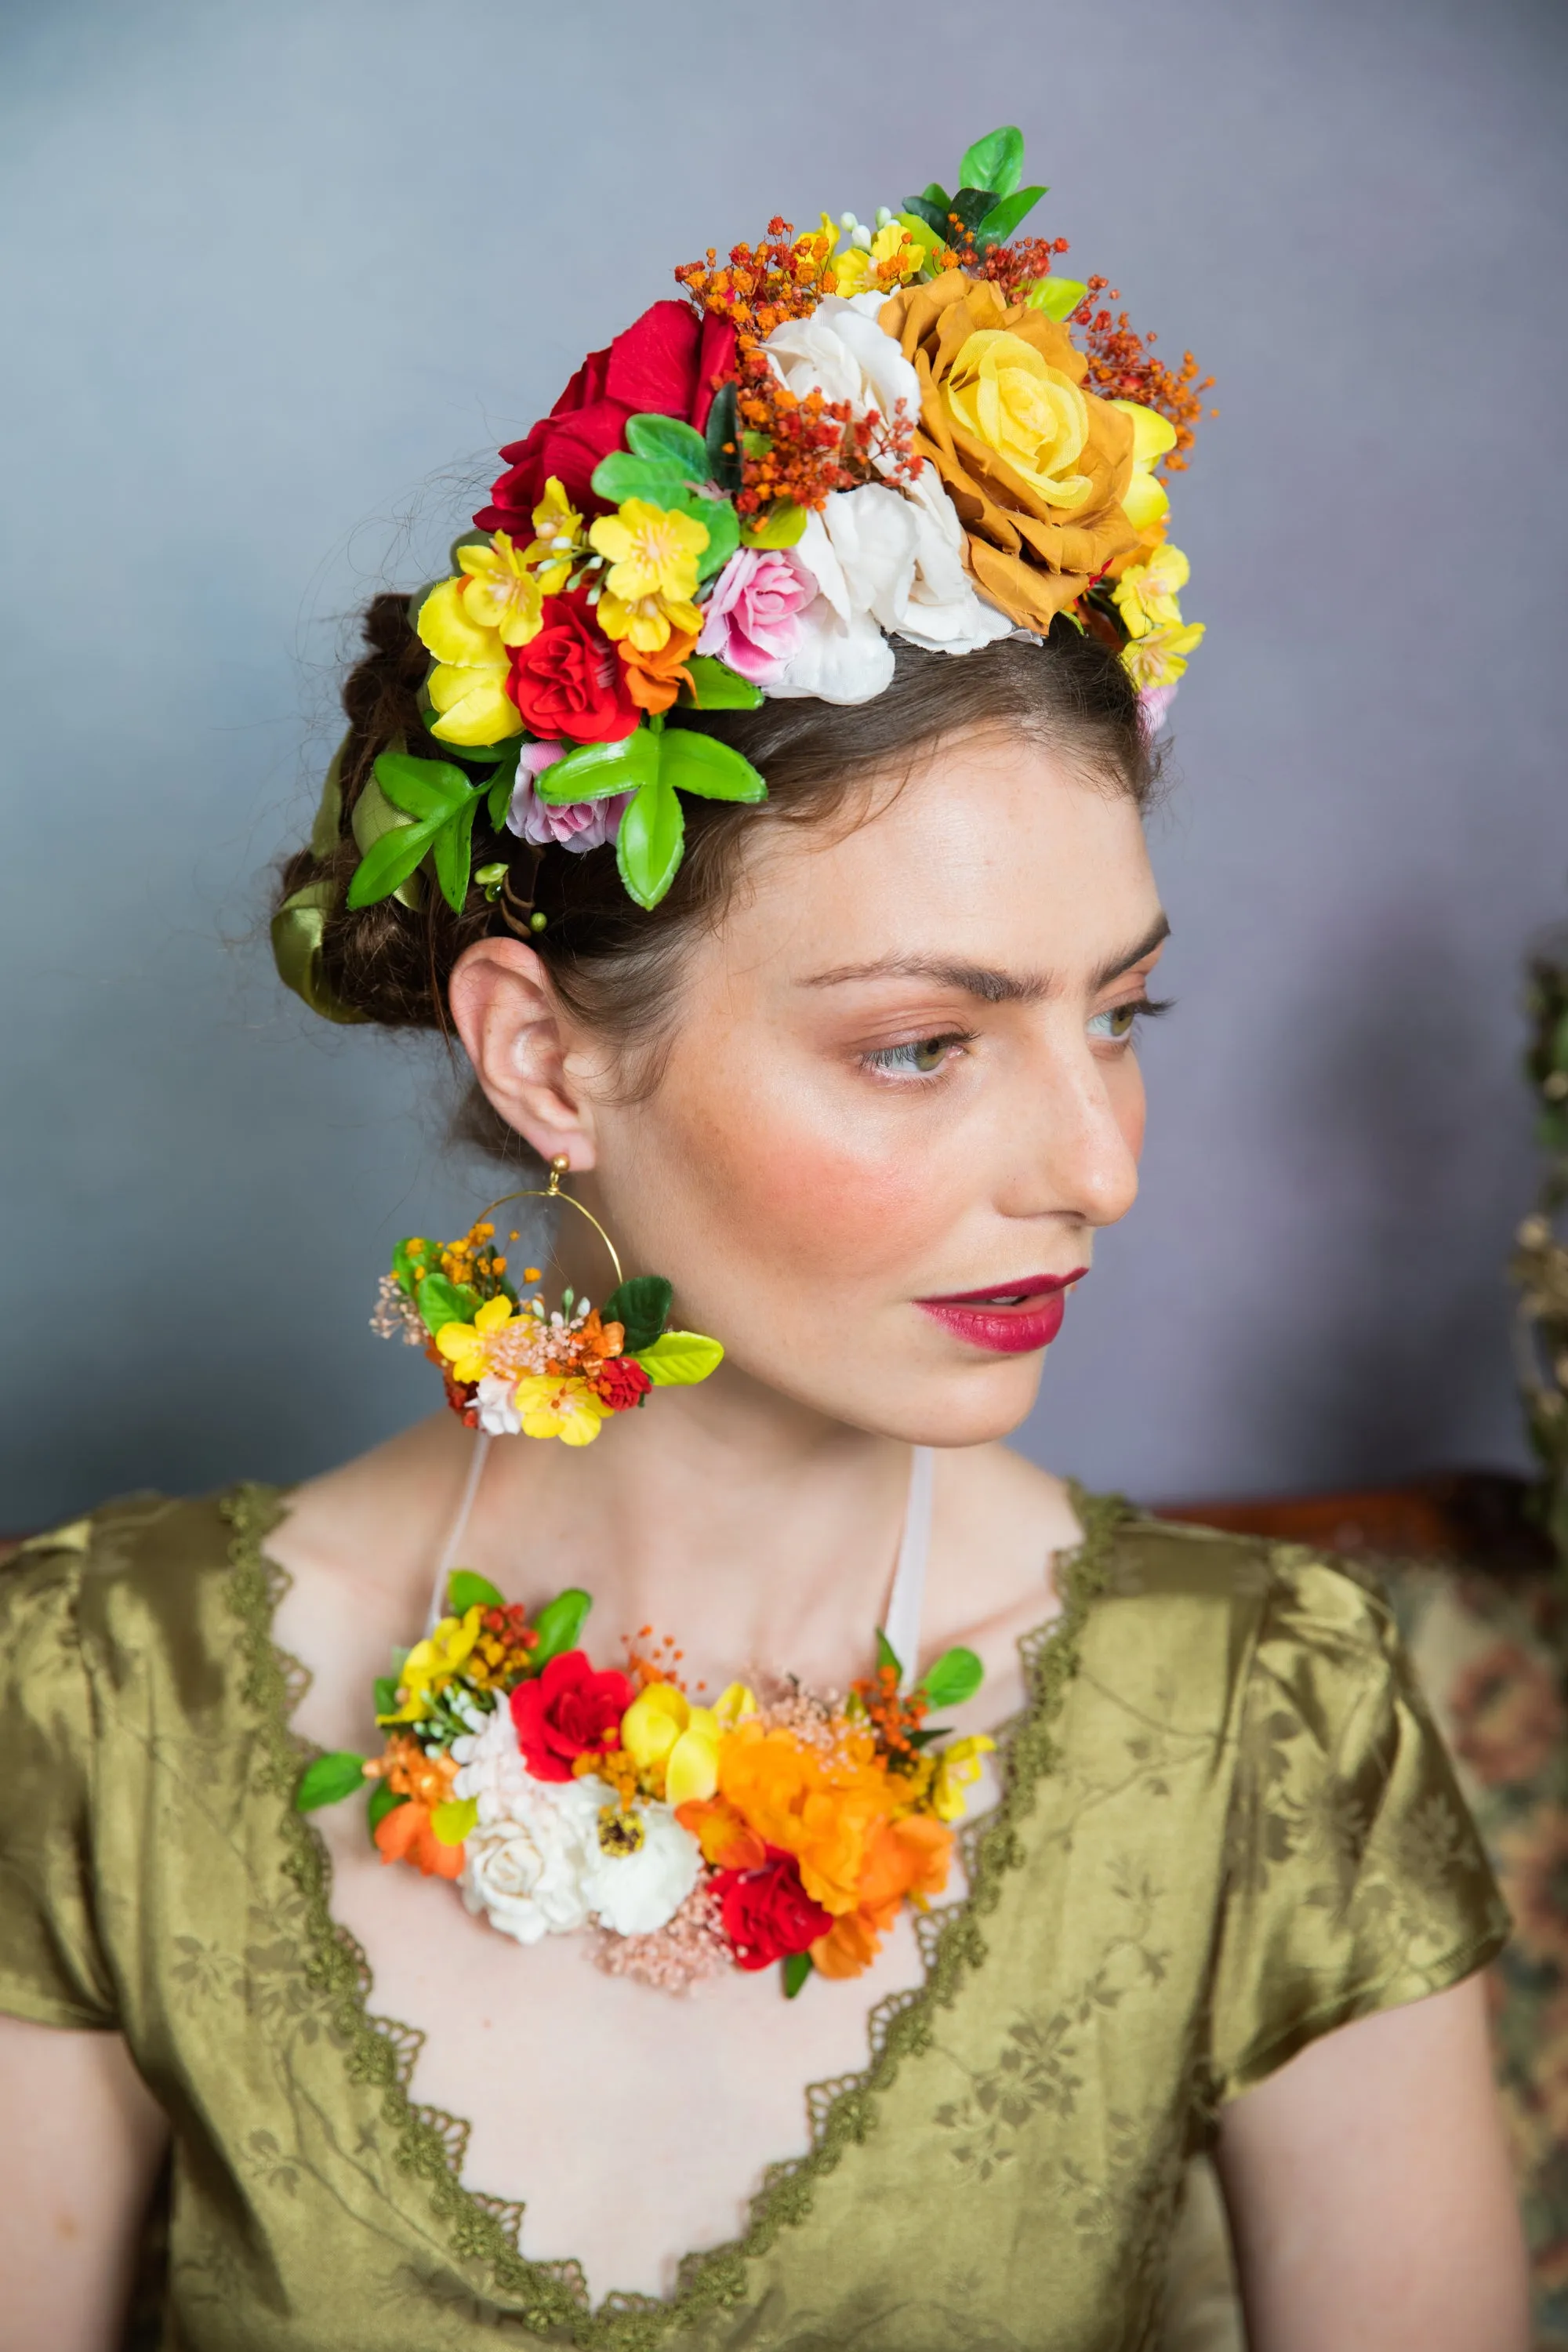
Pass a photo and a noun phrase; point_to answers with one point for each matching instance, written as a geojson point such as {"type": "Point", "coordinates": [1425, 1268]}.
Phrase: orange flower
{"type": "Point", "coordinates": [653, 679]}
{"type": "Point", "coordinates": [405, 1834]}
{"type": "Point", "coordinates": [905, 1860]}
{"type": "Point", "coordinates": [822, 1809]}
{"type": "Point", "coordinates": [725, 1840]}
{"type": "Point", "coordinates": [1034, 541]}
{"type": "Point", "coordinates": [601, 1340]}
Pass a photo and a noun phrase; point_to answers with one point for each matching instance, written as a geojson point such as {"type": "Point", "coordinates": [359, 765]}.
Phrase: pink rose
{"type": "Point", "coordinates": [579, 825]}
{"type": "Point", "coordinates": [752, 616]}
{"type": "Point", "coordinates": [1155, 702]}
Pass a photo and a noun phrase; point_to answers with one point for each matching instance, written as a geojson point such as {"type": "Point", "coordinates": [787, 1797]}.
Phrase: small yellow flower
{"type": "Point", "coordinates": [1146, 593]}
{"type": "Point", "coordinates": [553, 1404]}
{"type": "Point", "coordinates": [500, 592]}
{"type": "Point", "coordinates": [1033, 416]}
{"type": "Point", "coordinates": [1160, 657]}
{"type": "Point", "coordinates": [653, 555]}
{"type": "Point", "coordinates": [467, 1345]}
{"type": "Point", "coordinates": [957, 1769]}
{"type": "Point", "coordinates": [560, 528]}
{"type": "Point", "coordinates": [431, 1665]}
{"type": "Point", "coordinates": [893, 256]}
{"type": "Point", "coordinates": [653, 1723]}
{"type": "Point", "coordinates": [1147, 500]}
{"type": "Point", "coordinates": [468, 687]}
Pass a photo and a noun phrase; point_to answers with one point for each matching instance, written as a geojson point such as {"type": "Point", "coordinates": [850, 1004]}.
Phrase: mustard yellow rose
{"type": "Point", "coordinates": [1036, 466]}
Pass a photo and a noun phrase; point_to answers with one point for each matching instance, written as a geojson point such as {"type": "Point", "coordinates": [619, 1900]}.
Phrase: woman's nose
{"type": "Point", "coordinates": [1076, 1148]}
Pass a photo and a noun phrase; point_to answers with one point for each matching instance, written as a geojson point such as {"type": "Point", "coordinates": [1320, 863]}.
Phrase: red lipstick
{"type": "Point", "coordinates": [1011, 1318]}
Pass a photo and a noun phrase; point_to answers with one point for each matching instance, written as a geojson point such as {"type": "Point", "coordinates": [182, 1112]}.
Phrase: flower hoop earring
{"type": "Point", "coordinates": [513, 1368]}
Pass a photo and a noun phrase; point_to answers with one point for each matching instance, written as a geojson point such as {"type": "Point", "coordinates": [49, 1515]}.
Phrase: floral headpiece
{"type": "Point", "coordinates": [916, 430]}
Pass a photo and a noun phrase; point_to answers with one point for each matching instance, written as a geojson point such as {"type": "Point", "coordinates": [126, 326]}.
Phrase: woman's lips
{"type": "Point", "coordinates": [1010, 1319]}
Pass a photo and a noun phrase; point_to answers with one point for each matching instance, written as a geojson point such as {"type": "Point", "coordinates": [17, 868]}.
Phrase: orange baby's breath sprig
{"type": "Point", "coordinates": [1122, 366]}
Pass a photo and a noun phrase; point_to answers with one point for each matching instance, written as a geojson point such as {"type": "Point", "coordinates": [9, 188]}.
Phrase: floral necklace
{"type": "Point", "coordinates": [559, 1797]}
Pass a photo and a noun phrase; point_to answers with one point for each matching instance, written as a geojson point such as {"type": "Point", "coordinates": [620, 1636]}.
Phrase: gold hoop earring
{"type": "Point", "coordinates": [513, 1367]}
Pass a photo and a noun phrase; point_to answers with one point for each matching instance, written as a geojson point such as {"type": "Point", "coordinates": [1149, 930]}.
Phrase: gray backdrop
{"type": "Point", "coordinates": [276, 281]}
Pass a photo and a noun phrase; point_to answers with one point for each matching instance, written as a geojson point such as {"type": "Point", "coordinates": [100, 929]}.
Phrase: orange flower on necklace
{"type": "Point", "coordinates": [906, 1860]}
{"type": "Point", "coordinates": [408, 1831]}
{"type": "Point", "coordinates": [822, 1809]}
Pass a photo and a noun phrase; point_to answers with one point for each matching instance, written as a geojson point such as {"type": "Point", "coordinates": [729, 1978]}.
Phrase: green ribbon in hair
{"type": "Point", "coordinates": [301, 923]}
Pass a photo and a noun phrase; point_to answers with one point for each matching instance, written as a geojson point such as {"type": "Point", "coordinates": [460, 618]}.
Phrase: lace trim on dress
{"type": "Point", "coordinates": [552, 2298]}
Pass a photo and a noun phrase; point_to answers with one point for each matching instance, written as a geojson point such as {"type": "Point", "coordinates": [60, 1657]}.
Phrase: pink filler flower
{"type": "Point", "coordinates": [750, 619]}
{"type": "Point", "coordinates": [579, 825]}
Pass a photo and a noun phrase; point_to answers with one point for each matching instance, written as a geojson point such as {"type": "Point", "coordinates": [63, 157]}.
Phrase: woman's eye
{"type": "Point", "coordinates": [1118, 1022]}
{"type": "Point", "coordinates": [922, 1059]}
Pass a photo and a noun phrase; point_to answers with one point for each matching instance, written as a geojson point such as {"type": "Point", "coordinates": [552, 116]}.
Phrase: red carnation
{"type": "Point", "coordinates": [664, 366]}
{"type": "Point", "coordinates": [767, 1913]}
{"type": "Point", "coordinates": [568, 681]}
{"type": "Point", "coordinates": [622, 1382]}
{"type": "Point", "coordinates": [566, 1712]}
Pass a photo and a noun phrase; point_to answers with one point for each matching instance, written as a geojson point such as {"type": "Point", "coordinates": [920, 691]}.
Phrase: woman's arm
{"type": "Point", "coordinates": [1369, 2194]}
{"type": "Point", "coordinates": [81, 2144]}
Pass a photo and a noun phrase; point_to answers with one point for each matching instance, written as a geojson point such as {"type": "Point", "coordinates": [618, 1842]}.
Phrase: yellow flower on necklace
{"type": "Point", "coordinates": [957, 1769]}
{"type": "Point", "coordinates": [499, 590]}
{"type": "Point", "coordinates": [560, 528]}
{"type": "Point", "coordinates": [653, 555]}
{"type": "Point", "coordinates": [557, 1405]}
{"type": "Point", "coordinates": [1146, 500]}
{"type": "Point", "coordinates": [468, 1345]}
{"type": "Point", "coordinates": [1002, 391]}
{"type": "Point", "coordinates": [675, 1743]}
{"type": "Point", "coordinates": [468, 686]}
{"type": "Point", "coordinates": [1146, 593]}
{"type": "Point", "coordinates": [1160, 657]}
{"type": "Point", "coordinates": [431, 1665]}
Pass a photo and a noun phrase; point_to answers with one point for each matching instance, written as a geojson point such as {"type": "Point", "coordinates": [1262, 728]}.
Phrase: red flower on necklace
{"type": "Point", "coordinates": [767, 1913]}
{"type": "Point", "coordinates": [566, 1712]}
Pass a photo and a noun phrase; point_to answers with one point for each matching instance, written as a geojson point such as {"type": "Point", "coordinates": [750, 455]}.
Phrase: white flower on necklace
{"type": "Point", "coordinates": [644, 1868]}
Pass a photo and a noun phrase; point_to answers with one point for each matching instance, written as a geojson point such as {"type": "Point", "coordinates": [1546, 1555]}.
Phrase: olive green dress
{"type": "Point", "coordinates": [1227, 1827]}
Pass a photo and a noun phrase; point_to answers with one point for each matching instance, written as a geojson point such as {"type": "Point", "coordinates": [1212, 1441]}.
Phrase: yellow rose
{"type": "Point", "coordinates": [1030, 412]}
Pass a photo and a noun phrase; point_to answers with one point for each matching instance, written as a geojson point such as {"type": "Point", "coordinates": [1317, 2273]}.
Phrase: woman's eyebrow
{"type": "Point", "coordinates": [990, 986]}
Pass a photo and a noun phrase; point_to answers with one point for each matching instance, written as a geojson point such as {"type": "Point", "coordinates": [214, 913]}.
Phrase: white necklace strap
{"type": "Point", "coordinates": [907, 1599]}
{"type": "Point", "coordinates": [457, 1530]}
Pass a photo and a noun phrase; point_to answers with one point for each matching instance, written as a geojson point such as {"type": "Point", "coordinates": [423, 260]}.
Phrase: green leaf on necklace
{"type": "Point", "coordinates": [795, 1967]}
{"type": "Point", "coordinates": [886, 1655]}
{"type": "Point", "coordinates": [329, 1780]}
{"type": "Point", "coordinates": [384, 1691]}
{"type": "Point", "coordinates": [382, 1801]}
{"type": "Point", "coordinates": [454, 1820]}
{"type": "Point", "coordinates": [956, 1675]}
{"type": "Point", "coordinates": [559, 1624]}
{"type": "Point", "coordinates": [465, 1591]}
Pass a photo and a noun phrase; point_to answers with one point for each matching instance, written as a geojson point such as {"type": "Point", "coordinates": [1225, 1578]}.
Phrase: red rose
{"type": "Point", "coordinates": [767, 1913]}
{"type": "Point", "coordinates": [569, 680]}
{"type": "Point", "coordinates": [621, 1382]}
{"type": "Point", "coordinates": [664, 366]}
{"type": "Point", "coordinates": [566, 1712]}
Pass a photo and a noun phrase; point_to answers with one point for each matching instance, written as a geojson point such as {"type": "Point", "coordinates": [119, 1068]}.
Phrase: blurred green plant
{"type": "Point", "coordinates": [1539, 1264]}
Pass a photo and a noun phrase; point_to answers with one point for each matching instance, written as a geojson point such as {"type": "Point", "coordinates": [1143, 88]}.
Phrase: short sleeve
{"type": "Point", "coordinates": [52, 1970]}
{"type": "Point", "coordinates": [1354, 1878]}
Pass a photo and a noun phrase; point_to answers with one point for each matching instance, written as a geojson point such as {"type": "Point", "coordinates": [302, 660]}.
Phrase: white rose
{"type": "Point", "coordinates": [634, 1894]}
{"type": "Point", "coordinates": [529, 1872]}
{"type": "Point", "coordinates": [842, 353]}
{"type": "Point", "coordinates": [496, 1402]}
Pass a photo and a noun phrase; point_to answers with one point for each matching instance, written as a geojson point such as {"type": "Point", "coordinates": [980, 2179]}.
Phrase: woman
{"type": "Point", "coordinates": [761, 802]}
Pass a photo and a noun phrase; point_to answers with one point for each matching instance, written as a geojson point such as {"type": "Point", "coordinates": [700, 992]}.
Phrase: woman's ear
{"type": "Point", "coordinates": [509, 1021]}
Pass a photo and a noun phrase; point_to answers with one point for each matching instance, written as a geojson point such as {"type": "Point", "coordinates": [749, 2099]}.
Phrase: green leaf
{"type": "Point", "coordinates": [972, 204]}
{"type": "Point", "coordinates": [995, 161]}
{"type": "Point", "coordinates": [329, 1780]}
{"type": "Point", "coordinates": [650, 844]}
{"type": "Point", "coordinates": [678, 1359]}
{"type": "Point", "coordinates": [454, 1820]}
{"type": "Point", "coordinates": [934, 192]}
{"type": "Point", "coordinates": [454, 847]}
{"type": "Point", "coordinates": [1002, 219]}
{"type": "Point", "coordinates": [384, 1693]}
{"type": "Point", "coordinates": [559, 1624]}
{"type": "Point", "coordinates": [716, 687]}
{"type": "Point", "coordinates": [713, 770]}
{"type": "Point", "coordinates": [642, 1307]}
{"type": "Point", "coordinates": [409, 1269]}
{"type": "Point", "coordinates": [465, 1591]}
{"type": "Point", "coordinates": [389, 861]}
{"type": "Point", "coordinates": [382, 1801]}
{"type": "Point", "coordinates": [666, 440]}
{"type": "Point", "coordinates": [723, 528]}
{"type": "Point", "coordinates": [723, 462]}
{"type": "Point", "coordinates": [594, 771]}
{"type": "Point", "coordinates": [500, 787]}
{"type": "Point", "coordinates": [886, 1655]}
{"type": "Point", "coordinates": [1058, 298]}
{"type": "Point", "coordinates": [440, 1301]}
{"type": "Point", "coordinates": [935, 216]}
{"type": "Point", "coordinates": [421, 788]}
{"type": "Point", "coordinates": [796, 1967]}
{"type": "Point", "coordinates": [620, 476]}
{"type": "Point", "coordinates": [956, 1675]}
{"type": "Point", "coordinates": [783, 525]}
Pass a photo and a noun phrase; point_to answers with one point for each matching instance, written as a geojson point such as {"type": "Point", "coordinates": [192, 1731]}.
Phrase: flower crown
{"type": "Point", "coordinates": [834, 440]}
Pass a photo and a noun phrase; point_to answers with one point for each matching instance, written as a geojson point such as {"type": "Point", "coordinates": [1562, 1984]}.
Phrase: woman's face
{"type": "Point", "coordinates": [903, 1075]}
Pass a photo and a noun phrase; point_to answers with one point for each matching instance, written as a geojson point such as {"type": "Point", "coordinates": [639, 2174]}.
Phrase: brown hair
{"type": "Point", "coordinates": [613, 962]}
